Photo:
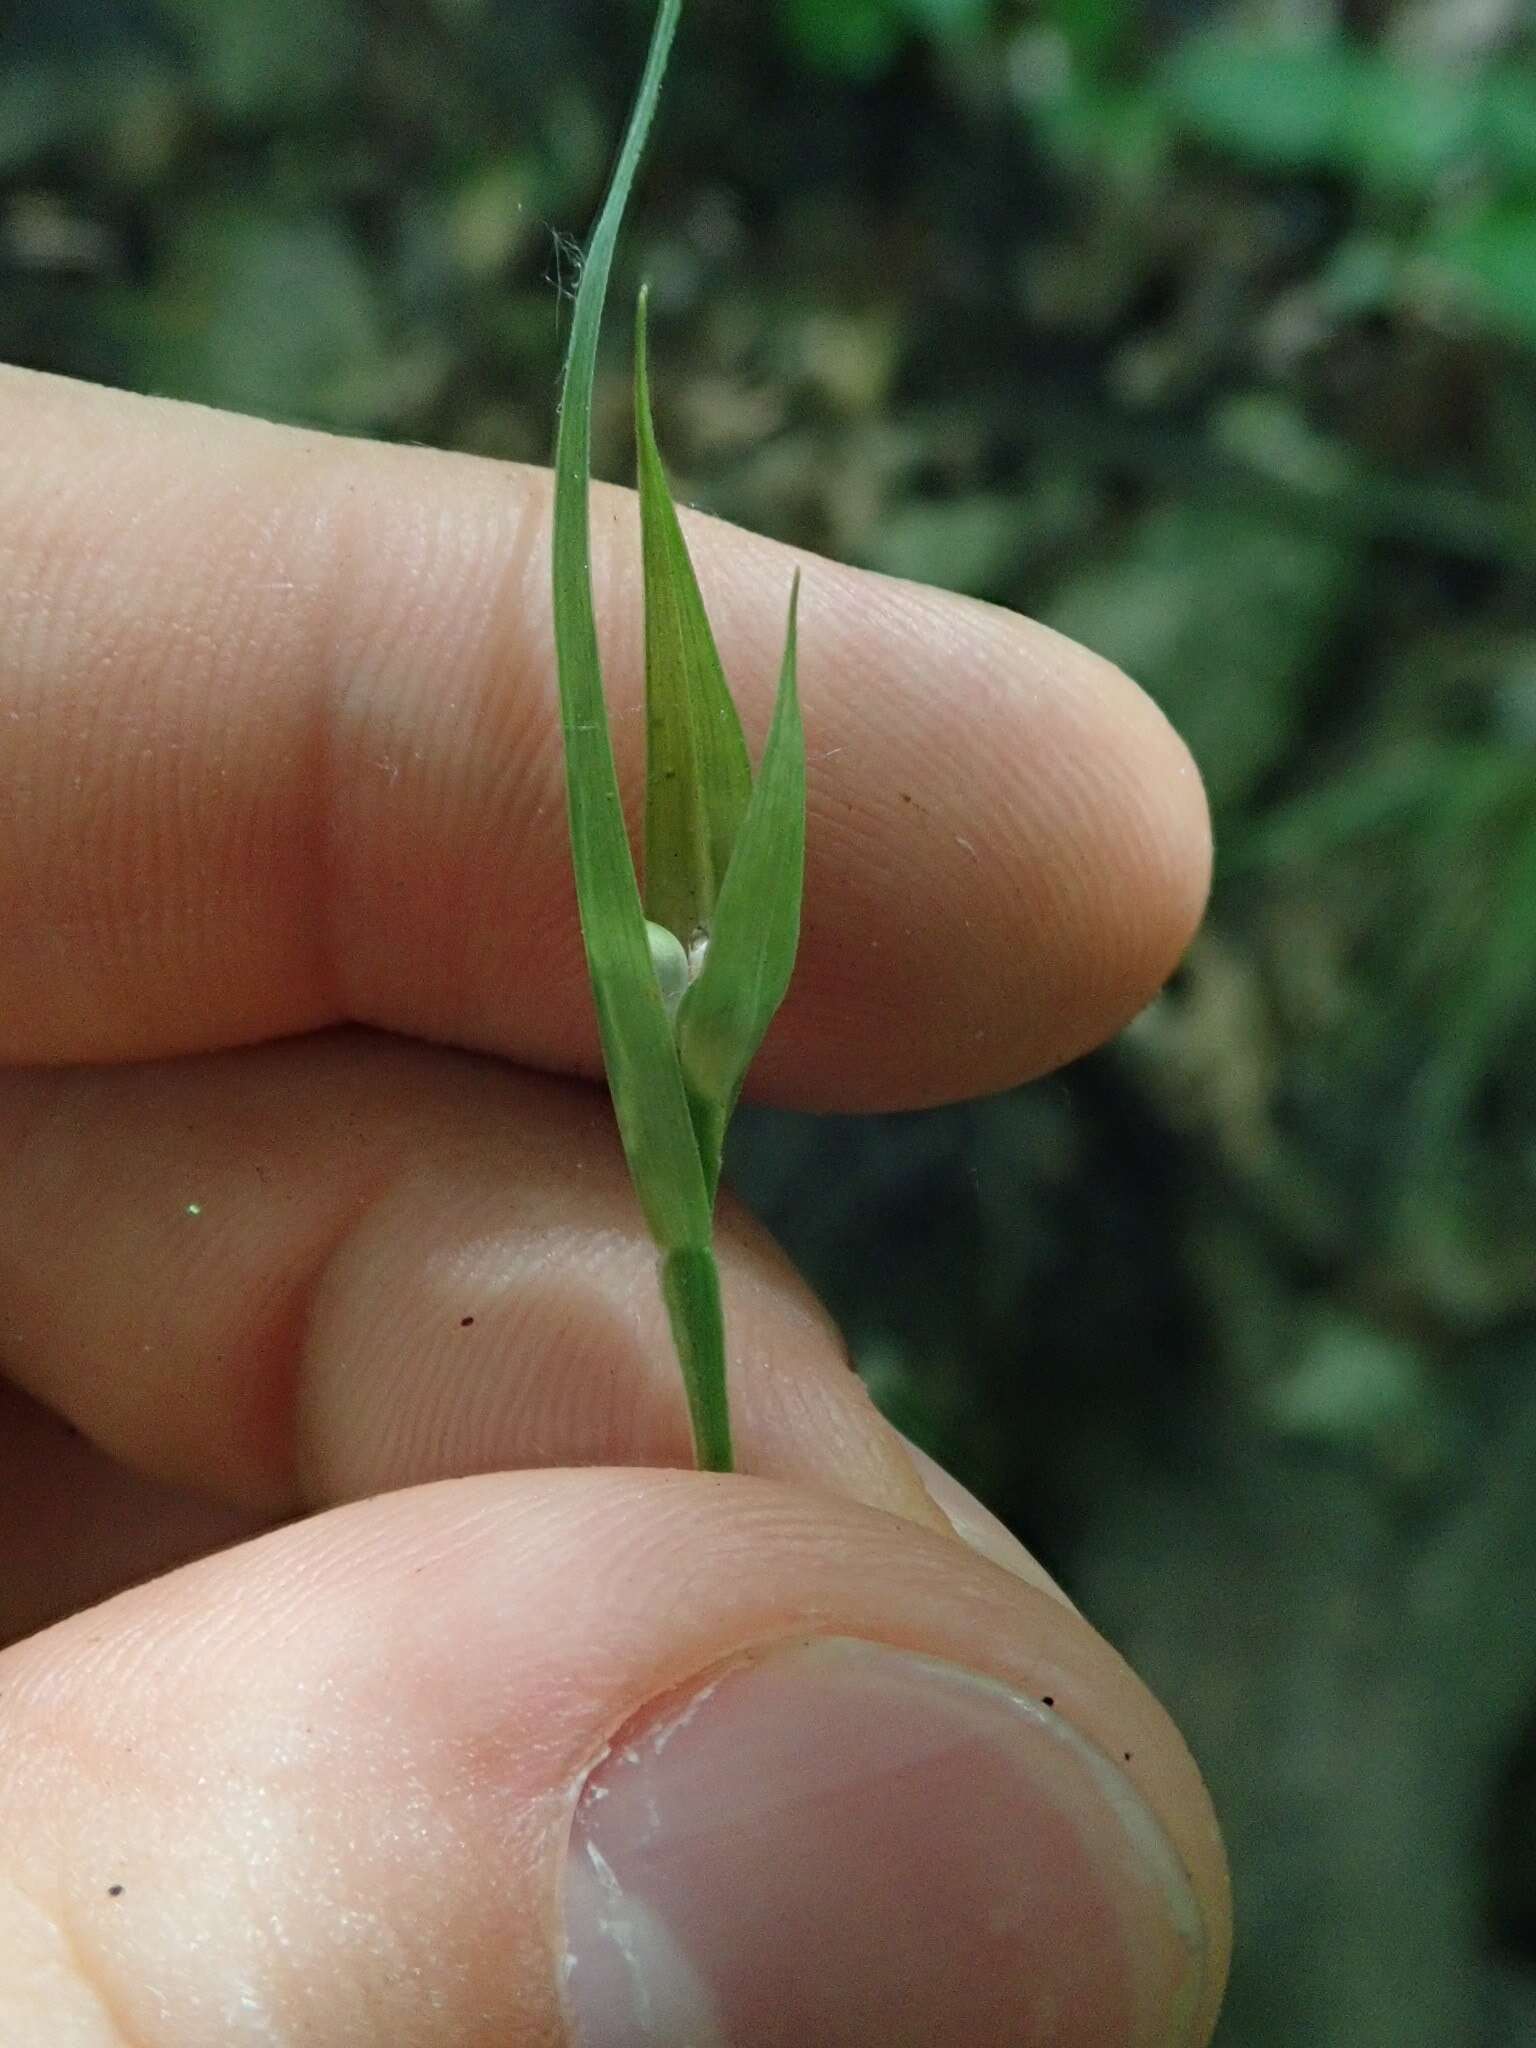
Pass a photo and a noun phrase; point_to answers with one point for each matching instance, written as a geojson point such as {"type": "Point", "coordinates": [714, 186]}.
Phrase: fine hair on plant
{"type": "Point", "coordinates": [686, 977]}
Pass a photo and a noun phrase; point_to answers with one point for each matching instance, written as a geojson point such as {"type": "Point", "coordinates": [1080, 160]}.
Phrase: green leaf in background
{"type": "Point", "coordinates": [1325, 105]}
{"type": "Point", "coordinates": [1094, 30]}
{"type": "Point", "coordinates": [1484, 1007]}
{"type": "Point", "coordinates": [944, 17]}
{"type": "Point", "coordinates": [1392, 795]}
{"type": "Point", "coordinates": [855, 37]}
{"type": "Point", "coordinates": [1508, 96]}
{"type": "Point", "coordinates": [698, 780]}
{"type": "Point", "coordinates": [1220, 612]}
{"type": "Point", "coordinates": [259, 59]}
{"type": "Point", "coordinates": [1286, 107]}
{"type": "Point", "coordinates": [265, 315]}
{"type": "Point", "coordinates": [859, 38]}
{"type": "Point", "coordinates": [1487, 263]}
{"type": "Point", "coordinates": [725, 861]}
{"type": "Point", "coordinates": [1410, 125]}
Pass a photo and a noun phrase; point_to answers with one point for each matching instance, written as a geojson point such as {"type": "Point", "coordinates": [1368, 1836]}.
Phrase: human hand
{"type": "Point", "coordinates": [771, 1760]}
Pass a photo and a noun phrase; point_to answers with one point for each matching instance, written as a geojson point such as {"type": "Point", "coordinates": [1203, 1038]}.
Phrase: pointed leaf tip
{"type": "Point", "coordinates": [698, 776]}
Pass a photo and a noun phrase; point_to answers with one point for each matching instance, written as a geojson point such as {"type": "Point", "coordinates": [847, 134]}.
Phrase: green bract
{"type": "Point", "coordinates": [687, 981]}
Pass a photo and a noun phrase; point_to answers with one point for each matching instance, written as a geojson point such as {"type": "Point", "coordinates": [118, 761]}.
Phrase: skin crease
{"type": "Point", "coordinates": [304, 1198]}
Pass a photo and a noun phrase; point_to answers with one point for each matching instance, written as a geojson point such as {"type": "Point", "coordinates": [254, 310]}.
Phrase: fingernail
{"type": "Point", "coordinates": [839, 1843]}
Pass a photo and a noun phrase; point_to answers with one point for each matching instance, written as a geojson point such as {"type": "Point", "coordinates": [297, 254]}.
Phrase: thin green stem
{"type": "Point", "coordinates": [690, 1285]}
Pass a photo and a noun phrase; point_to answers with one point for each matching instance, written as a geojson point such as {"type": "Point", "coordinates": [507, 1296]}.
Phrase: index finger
{"type": "Point", "coordinates": [279, 748]}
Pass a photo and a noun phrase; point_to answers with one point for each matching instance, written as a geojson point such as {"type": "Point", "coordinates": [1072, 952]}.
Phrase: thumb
{"type": "Point", "coordinates": [605, 1758]}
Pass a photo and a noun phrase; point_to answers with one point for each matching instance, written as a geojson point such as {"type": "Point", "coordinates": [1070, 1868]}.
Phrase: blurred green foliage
{"type": "Point", "coordinates": [1207, 333]}
{"type": "Point", "coordinates": [861, 37]}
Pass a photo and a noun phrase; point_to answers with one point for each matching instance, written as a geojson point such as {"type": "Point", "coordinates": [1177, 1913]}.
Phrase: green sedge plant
{"type": "Point", "coordinates": [687, 976]}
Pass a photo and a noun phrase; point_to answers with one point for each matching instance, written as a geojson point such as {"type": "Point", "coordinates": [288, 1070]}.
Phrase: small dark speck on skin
{"type": "Point", "coordinates": [114, 1891]}
{"type": "Point", "coordinates": [1047, 1700]}
{"type": "Point", "coordinates": [465, 1321]}
{"type": "Point", "coordinates": [1127, 1755]}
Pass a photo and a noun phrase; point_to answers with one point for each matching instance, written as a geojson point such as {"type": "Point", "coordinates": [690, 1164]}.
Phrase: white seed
{"type": "Point", "coordinates": [671, 965]}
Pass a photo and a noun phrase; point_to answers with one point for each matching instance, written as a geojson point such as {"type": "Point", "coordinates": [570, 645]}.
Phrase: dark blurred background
{"type": "Point", "coordinates": [1207, 332]}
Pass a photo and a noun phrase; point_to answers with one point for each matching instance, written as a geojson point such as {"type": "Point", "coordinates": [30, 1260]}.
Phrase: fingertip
{"type": "Point", "coordinates": [1049, 827]}
{"type": "Point", "coordinates": [1166, 821]}
{"type": "Point", "coordinates": [390, 1713]}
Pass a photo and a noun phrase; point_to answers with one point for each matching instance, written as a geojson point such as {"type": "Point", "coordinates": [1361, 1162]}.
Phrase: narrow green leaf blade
{"type": "Point", "coordinates": [698, 778]}
{"type": "Point", "coordinates": [751, 956]}
{"type": "Point", "coordinates": [638, 1047]}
